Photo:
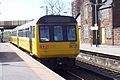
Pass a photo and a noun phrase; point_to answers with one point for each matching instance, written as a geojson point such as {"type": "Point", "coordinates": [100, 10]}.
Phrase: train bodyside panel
{"type": "Point", "coordinates": [24, 43]}
{"type": "Point", "coordinates": [14, 40]}
{"type": "Point", "coordinates": [35, 41]}
{"type": "Point", "coordinates": [29, 43]}
{"type": "Point", "coordinates": [14, 36]}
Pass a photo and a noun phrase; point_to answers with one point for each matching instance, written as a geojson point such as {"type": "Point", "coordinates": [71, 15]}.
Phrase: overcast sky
{"type": "Point", "coordinates": [23, 9]}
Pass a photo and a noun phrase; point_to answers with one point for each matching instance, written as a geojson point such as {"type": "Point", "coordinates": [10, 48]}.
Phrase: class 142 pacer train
{"type": "Point", "coordinates": [54, 39]}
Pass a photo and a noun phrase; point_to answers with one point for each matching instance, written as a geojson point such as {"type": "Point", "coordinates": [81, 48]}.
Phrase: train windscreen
{"type": "Point", "coordinates": [57, 33]}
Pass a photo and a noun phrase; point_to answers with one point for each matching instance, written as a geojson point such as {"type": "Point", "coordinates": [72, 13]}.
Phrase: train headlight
{"type": "Point", "coordinates": [44, 46]}
{"type": "Point", "coordinates": [73, 46]}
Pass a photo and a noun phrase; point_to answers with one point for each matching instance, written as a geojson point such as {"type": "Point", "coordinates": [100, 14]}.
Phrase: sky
{"type": "Point", "coordinates": [23, 9]}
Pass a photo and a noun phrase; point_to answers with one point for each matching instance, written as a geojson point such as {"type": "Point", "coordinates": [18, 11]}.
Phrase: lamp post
{"type": "Point", "coordinates": [52, 8]}
{"type": "Point", "coordinates": [95, 24]}
{"type": "Point", "coordinates": [46, 9]}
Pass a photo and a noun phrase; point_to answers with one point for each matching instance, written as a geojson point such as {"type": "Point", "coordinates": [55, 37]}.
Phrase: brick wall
{"type": "Point", "coordinates": [86, 21]}
{"type": "Point", "coordinates": [107, 23]}
{"type": "Point", "coordinates": [116, 22]}
{"type": "Point", "coordinates": [116, 35]}
{"type": "Point", "coordinates": [116, 13]}
{"type": "Point", "coordinates": [113, 22]}
{"type": "Point", "coordinates": [76, 4]}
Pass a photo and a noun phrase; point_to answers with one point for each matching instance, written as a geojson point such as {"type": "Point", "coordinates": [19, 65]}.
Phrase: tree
{"type": "Point", "coordinates": [55, 7]}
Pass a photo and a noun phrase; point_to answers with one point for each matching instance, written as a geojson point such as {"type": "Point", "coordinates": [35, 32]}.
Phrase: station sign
{"type": "Point", "coordinates": [95, 27]}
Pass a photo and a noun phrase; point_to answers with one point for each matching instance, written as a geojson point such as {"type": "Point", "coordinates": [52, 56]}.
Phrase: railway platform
{"type": "Point", "coordinates": [105, 49]}
{"type": "Point", "coordinates": [17, 65]}
{"type": "Point", "coordinates": [104, 59]}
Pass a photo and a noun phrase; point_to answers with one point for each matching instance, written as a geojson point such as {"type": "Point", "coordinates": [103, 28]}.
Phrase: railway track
{"type": "Point", "coordinates": [78, 73]}
{"type": "Point", "coordinates": [74, 76]}
{"type": "Point", "coordinates": [68, 75]}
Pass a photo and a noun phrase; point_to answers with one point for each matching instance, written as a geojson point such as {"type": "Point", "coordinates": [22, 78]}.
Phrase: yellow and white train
{"type": "Point", "coordinates": [51, 37]}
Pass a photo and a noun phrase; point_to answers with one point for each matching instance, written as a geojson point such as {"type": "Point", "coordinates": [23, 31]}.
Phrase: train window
{"type": "Point", "coordinates": [33, 31]}
{"type": "Point", "coordinates": [58, 34]}
{"type": "Point", "coordinates": [14, 33]}
{"type": "Point", "coordinates": [24, 33]}
{"type": "Point", "coordinates": [44, 34]}
{"type": "Point", "coordinates": [27, 32]}
{"type": "Point", "coordinates": [71, 33]}
{"type": "Point", "coordinates": [20, 33]}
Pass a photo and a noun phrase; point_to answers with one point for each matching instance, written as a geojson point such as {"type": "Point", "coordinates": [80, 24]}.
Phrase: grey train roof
{"type": "Point", "coordinates": [56, 19]}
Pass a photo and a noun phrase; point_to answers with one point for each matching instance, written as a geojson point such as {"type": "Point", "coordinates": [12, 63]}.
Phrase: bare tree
{"type": "Point", "coordinates": [55, 6]}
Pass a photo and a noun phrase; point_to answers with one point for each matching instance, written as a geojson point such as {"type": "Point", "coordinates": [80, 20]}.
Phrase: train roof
{"type": "Point", "coordinates": [56, 19]}
{"type": "Point", "coordinates": [28, 24]}
{"type": "Point", "coordinates": [48, 19]}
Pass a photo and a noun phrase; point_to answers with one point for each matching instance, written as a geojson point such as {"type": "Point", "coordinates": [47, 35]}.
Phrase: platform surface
{"type": "Point", "coordinates": [16, 65]}
{"type": "Point", "coordinates": [105, 49]}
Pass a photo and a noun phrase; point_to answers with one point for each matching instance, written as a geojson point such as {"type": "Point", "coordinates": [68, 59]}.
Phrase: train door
{"type": "Point", "coordinates": [30, 38]}
{"type": "Point", "coordinates": [17, 38]}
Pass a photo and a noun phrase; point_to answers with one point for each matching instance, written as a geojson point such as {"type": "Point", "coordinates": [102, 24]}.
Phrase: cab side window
{"type": "Point", "coordinates": [44, 34]}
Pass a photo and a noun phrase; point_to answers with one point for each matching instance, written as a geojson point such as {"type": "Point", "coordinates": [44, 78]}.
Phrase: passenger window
{"type": "Point", "coordinates": [71, 33]}
{"type": "Point", "coordinates": [44, 34]}
{"type": "Point", "coordinates": [24, 33]}
{"type": "Point", "coordinates": [58, 35]}
{"type": "Point", "coordinates": [20, 33]}
{"type": "Point", "coordinates": [33, 32]}
{"type": "Point", "coordinates": [27, 32]}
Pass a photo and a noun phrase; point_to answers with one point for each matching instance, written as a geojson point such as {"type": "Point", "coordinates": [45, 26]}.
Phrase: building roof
{"type": "Point", "coordinates": [107, 4]}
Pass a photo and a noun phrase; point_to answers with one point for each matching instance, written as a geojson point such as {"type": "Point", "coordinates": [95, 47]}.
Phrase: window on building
{"type": "Point", "coordinates": [99, 16]}
{"type": "Point", "coordinates": [86, 31]}
{"type": "Point", "coordinates": [86, 13]}
{"type": "Point", "coordinates": [105, 13]}
{"type": "Point", "coordinates": [108, 33]}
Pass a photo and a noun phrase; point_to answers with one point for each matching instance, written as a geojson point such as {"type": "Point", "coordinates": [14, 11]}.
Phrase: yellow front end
{"type": "Point", "coordinates": [61, 49]}
{"type": "Point", "coordinates": [58, 49]}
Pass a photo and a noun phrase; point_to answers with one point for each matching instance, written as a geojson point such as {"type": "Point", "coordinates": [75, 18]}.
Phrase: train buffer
{"type": "Point", "coordinates": [105, 57]}
{"type": "Point", "coordinates": [17, 65]}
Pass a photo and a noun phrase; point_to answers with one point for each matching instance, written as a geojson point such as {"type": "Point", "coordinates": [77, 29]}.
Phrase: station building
{"type": "Point", "coordinates": [107, 19]}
